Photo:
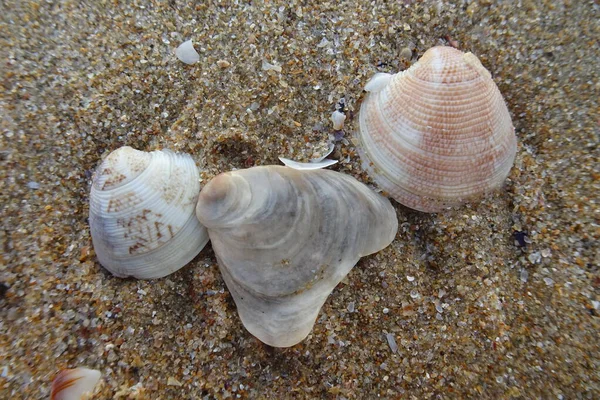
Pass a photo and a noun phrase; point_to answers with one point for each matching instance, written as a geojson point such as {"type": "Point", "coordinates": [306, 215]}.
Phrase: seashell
{"type": "Point", "coordinates": [285, 238]}
{"type": "Point", "coordinates": [437, 134]}
{"type": "Point", "coordinates": [187, 53]}
{"type": "Point", "coordinates": [142, 217]}
{"type": "Point", "coordinates": [309, 165]}
{"type": "Point", "coordinates": [315, 163]}
{"type": "Point", "coordinates": [330, 148]}
{"type": "Point", "coordinates": [74, 384]}
{"type": "Point", "coordinates": [338, 118]}
{"type": "Point", "coordinates": [378, 82]}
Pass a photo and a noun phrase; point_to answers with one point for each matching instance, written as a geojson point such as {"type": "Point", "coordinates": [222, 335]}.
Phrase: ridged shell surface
{"type": "Point", "coordinates": [437, 134]}
{"type": "Point", "coordinates": [284, 238]}
{"type": "Point", "coordinates": [142, 217]}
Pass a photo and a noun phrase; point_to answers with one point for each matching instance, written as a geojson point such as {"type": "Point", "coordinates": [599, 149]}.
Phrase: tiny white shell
{"type": "Point", "coordinates": [379, 81]}
{"type": "Point", "coordinates": [186, 53]}
{"type": "Point", "coordinates": [74, 384]}
{"type": "Point", "coordinates": [338, 119]}
{"type": "Point", "coordinates": [142, 217]}
{"type": "Point", "coordinates": [307, 166]}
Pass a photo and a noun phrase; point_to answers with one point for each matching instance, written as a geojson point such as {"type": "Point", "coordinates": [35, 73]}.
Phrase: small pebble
{"type": "Point", "coordinates": [33, 185]}
{"type": "Point", "coordinates": [535, 257]}
{"type": "Point", "coordinates": [351, 306]}
{"type": "Point", "coordinates": [520, 238]}
{"type": "Point", "coordinates": [406, 53]}
{"type": "Point", "coordinates": [223, 64]}
{"type": "Point", "coordinates": [338, 135]}
{"type": "Point", "coordinates": [3, 289]}
{"type": "Point", "coordinates": [546, 253]}
{"type": "Point", "coordinates": [324, 42]}
{"type": "Point", "coordinates": [173, 382]}
{"type": "Point", "coordinates": [267, 66]}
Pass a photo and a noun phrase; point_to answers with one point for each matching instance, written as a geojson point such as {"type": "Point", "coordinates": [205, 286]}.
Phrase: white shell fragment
{"type": "Point", "coordinates": [74, 384]}
{"type": "Point", "coordinates": [338, 119]}
{"type": "Point", "coordinates": [285, 238]}
{"type": "Point", "coordinates": [142, 217]}
{"type": "Point", "coordinates": [378, 82]}
{"type": "Point", "coordinates": [186, 53]}
{"type": "Point", "coordinates": [307, 166]}
{"type": "Point", "coordinates": [392, 342]}
{"type": "Point", "coordinates": [437, 134]}
{"type": "Point", "coordinates": [330, 149]}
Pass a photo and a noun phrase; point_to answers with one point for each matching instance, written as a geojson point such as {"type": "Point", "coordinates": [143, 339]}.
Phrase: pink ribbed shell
{"type": "Point", "coordinates": [439, 133]}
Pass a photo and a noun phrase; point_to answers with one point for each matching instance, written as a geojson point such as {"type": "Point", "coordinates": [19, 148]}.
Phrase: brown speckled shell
{"type": "Point", "coordinates": [142, 218]}
{"type": "Point", "coordinates": [439, 133]}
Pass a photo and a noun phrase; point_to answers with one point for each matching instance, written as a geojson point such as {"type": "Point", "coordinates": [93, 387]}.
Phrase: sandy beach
{"type": "Point", "coordinates": [498, 299]}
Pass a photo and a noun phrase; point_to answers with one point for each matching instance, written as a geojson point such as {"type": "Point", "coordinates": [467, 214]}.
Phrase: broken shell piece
{"type": "Point", "coordinates": [285, 238]}
{"type": "Point", "coordinates": [378, 82]}
{"type": "Point", "coordinates": [142, 217]}
{"type": "Point", "coordinates": [74, 384]}
{"type": "Point", "coordinates": [437, 134]}
{"type": "Point", "coordinates": [338, 119]}
{"type": "Point", "coordinates": [307, 166]}
{"type": "Point", "coordinates": [186, 53]}
{"type": "Point", "coordinates": [330, 149]}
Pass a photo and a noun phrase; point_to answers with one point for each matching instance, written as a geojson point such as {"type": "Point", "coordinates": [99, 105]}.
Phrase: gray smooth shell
{"type": "Point", "coordinates": [284, 238]}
